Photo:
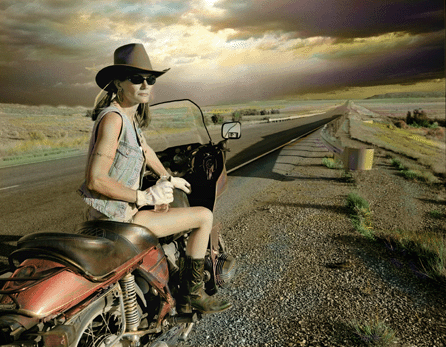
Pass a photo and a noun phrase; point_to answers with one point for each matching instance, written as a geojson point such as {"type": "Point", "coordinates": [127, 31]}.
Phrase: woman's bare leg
{"type": "Point", "coordinates": [192, 293]}
{"type": "Point", "coordinates": [179, 219]}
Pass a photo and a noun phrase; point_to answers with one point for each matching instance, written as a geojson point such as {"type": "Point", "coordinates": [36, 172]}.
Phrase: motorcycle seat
{"type": "Point", "coordinates": [96, 249]}
{"type": "Point", "coordinates": [140, 237]}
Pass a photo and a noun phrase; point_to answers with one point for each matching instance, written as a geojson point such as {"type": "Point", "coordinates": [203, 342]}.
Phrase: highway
{"type": "Point", "coordinates": [42, 196]}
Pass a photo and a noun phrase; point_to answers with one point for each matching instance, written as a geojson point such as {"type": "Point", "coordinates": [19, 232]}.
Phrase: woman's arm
{"type": "Point", "coordinates": [155, 164]}
{"type": "Point", "coordinates": [101, 160]}
{"type": "Point", "coordinates": [152, 159]}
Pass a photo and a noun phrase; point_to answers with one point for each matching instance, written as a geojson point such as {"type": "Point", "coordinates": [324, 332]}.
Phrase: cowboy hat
{"type": "Point", "coordinates": [131, 58]}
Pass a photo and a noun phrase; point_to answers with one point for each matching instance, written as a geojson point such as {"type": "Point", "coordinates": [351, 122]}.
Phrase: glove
{"type": "Point", "coordinates": [160, 193]}
{"type": "Point", "coordinates": [181, 183]}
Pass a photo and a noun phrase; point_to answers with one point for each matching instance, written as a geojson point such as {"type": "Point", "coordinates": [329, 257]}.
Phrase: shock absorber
{"type": "Point", "coordinates": [132, 318]}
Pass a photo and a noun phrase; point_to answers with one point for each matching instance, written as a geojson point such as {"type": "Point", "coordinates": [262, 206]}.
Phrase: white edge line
{"type": "Point", "coordinates": [10, 187]}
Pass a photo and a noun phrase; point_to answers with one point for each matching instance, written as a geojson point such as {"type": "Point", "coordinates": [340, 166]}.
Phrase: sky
{"type": "Point", "coordinates": [223, 51]}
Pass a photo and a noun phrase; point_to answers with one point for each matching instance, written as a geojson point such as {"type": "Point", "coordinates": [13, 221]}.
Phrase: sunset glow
{"type": "Point", "coordinates": [223, 51]}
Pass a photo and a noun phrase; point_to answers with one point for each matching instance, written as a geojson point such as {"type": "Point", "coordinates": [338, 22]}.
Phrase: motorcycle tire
{"type": "Point", "coordinates": [99, 325]}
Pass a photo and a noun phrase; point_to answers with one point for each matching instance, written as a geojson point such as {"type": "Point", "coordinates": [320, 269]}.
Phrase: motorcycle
{"type": "Point", "coordinates": [115, 284]}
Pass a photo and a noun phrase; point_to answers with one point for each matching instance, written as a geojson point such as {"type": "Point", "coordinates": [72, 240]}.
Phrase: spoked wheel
{"type": "Point", "coordinates": [100, 325]}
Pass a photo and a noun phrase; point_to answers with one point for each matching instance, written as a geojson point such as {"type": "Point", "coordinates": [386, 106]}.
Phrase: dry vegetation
{"type": "Point", "coordinates": [418, 154]}
{"type": "Point", "coordinates": [32, 133]}
{"type": "Point", "coordinates": [398, 108]}
{"type": "Point", "coordinates": [378, 126]}
{"type": "Point", "coordinates": [37, 133]}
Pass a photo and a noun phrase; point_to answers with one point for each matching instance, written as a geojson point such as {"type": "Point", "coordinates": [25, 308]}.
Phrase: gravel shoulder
{"type": "Point", "coordinates": [305, 274]}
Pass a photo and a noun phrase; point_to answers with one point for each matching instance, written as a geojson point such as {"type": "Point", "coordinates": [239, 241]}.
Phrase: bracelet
{"type": "Point", "coordinates": [169, 177]}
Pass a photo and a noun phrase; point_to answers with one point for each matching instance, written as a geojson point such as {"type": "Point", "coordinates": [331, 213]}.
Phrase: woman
{"type": "Point", "coordinates": [118, 156]}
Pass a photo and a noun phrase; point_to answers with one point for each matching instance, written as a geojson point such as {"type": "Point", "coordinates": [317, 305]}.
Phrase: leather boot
{"type": "Point", "coordinates": [192, 293]}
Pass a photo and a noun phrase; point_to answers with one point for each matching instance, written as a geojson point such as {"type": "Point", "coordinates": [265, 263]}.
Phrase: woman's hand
{"type": "Point", "coordinates": [159, 194]}
{"type": "Point", "coordinates": [181, 183]}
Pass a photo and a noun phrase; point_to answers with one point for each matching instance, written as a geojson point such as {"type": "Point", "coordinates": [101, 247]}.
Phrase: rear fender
{"type": "Point", "coordinates": [154, 268]}
{"type": "Point", "coordinates": [58, 293]}
{"type": "Point", "coordinates": [53, 294]}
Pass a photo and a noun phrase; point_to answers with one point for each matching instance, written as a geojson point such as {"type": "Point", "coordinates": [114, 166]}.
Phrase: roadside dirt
{"type": "Point", "coordinates": [306, 276]}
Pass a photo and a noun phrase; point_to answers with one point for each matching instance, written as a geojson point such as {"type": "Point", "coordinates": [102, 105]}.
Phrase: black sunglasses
{"type": "Point", "coordinates": [138, 79]}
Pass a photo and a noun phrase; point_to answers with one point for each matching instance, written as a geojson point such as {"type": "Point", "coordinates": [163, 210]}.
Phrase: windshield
{"type": "Point", "coordinates": [175, 123]}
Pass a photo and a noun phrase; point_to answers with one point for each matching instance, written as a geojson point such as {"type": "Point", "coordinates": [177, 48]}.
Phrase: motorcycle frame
{"type": "Point", "coordinates": [26, 299]}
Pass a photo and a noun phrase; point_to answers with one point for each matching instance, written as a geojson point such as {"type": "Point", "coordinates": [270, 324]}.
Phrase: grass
{"type": "Point", "coordinates": [398, 140]}
{"type": "Point", "coordinates": [38, 133]}
{"type": "Point", "coordinates": [373, 332]}
{"type": "Point", "coordinates": [37, 144]}
{"type": "Point", "coordinates": [424, 124]}
{"type": "Point", "coordinates": [437, 214]}
{"type": "Point", "coordinates": [416, 143]}
{"type": "Point", "coordinates": [331, 163]}
{"type": "Point", "coordinates": [410, 173]}
{"type": "Point", "coordinates": [398, 107]}
{"type": "Point", "coordinates": [428, 247]}
{"type": "Point", "coordinates": [361, 215]}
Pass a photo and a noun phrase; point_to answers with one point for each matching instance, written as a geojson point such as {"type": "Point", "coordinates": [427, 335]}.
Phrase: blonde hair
{"type": "Point", "coordinates": [105, 98]}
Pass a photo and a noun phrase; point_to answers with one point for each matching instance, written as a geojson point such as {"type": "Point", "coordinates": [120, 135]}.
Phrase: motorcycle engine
{"type": "Point", "coordinates": [224, 270]}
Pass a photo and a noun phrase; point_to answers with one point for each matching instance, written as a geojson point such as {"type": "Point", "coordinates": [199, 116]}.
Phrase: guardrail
{"type": "Point", "coordinates": [266, 119]}
{"type": "Point", "coordinates": [331, 143]}
{"type": "Point", "coordinates": [352, 158]}
{"type": "Point", "coordinates": [274, 120]}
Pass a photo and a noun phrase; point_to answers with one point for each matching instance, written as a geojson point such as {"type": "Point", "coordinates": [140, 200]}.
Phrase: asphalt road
{"type": "Point", "coordinates": [42, 196]}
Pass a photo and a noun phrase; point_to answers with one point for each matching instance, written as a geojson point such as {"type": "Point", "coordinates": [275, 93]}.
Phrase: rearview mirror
{"type": "Point", "coordinates": [231, 130]}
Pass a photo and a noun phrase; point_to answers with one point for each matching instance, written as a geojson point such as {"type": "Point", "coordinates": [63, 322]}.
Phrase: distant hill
{"type": "Point", "coordinates": [409, 95]}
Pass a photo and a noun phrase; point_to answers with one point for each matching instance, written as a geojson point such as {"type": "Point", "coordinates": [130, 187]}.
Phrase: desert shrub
{"type": "Point", "coordinates": [355, 201]}
{"type": "Point", "coordinates": [236, 116]}
{"type": "Point", "coordinates": [440, 121]}
{"type": "Point", "coordinates": [437, 214]}
{"type": "Point", "coordinates": [36, 135]}
{"type": "Point", "coordinates": [400, 124]}
{"type": "Point", "coordinates": [373, 332]}
{"type": "Point", "coordinates": [14, 135]}
{"type": "Point", "coordinates": [361, 215]}
{"type": "Point", "coordinates": [436, 133]}
{"type": "Point", "coordinates": [253, 112]}
{"type": "Point", "coordinates": [63, 134]}
{"type": "Point", "coordinates": [418, 118]}
{"type": "Point", "coordinates": [409, 173]}
{"type": "Point", "coordinates": [331, 163]}
{"type": "Point", "coordinates": [217, 118]}
{"type": "Point", "coordinates": [397, 163]}
{"type": "Point", "coordinates": [427, 246]}
{"type": "Point", "coordinates": [247, 112]}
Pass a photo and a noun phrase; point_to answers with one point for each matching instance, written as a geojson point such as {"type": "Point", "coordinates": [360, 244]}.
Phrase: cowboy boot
{"type": "Point", "coordinates": [192, 293]}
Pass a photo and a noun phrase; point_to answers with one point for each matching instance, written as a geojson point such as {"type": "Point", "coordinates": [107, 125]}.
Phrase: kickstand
{"type": "Point", "coordinates": [186, 331]}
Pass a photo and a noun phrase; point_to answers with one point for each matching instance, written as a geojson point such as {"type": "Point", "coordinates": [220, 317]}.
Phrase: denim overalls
{"type": "Point", "coordinates": [127, 168]}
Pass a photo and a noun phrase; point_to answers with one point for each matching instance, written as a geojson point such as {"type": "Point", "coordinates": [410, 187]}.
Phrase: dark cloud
{"type": "Point", "coordinates": [61, 82]}
{"type": "Point", "coordinates": [330, 73]}
{"type": "Point", "coordinates": [46, 56]}
{"type": "Point", "coordinates": [334, 18]}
